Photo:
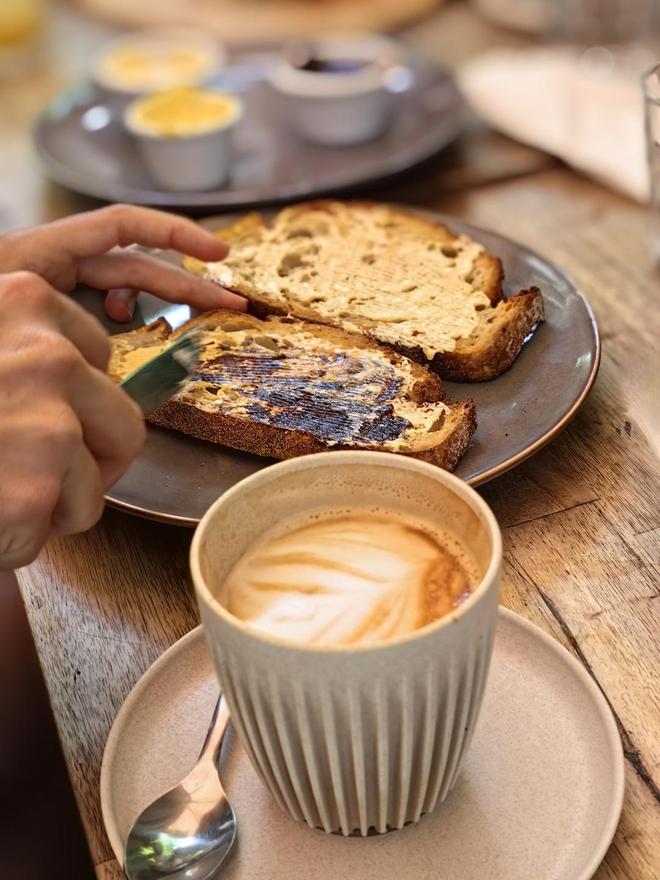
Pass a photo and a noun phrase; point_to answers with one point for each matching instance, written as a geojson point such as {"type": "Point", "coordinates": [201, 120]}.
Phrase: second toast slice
{"type": "Point", "coordinates": [397, 277]}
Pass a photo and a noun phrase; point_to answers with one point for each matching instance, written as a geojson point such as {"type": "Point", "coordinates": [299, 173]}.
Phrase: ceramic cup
{"type": "Point", "coordinates": [149, 60]}
{"type": "Point", "coordinates": [187, 163]}
{"type": "Point", "coordinates": [338, 109]}
{"type": "Point", "coordinates": [359, 738]}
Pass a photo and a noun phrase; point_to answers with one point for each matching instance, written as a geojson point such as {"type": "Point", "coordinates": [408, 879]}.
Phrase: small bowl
{"type": "Point", "coordinates": [155, 59]}
{"type": "Point", "coordinates": [191, 151]}
{"type": "Point", "coordinates": [333, 91]}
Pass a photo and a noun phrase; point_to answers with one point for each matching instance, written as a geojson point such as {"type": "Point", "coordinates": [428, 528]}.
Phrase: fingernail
{"type": "Point", "coordinates": [240, 303]}
{"type": "Point", "coordinates": [221, 248]}
{"type": "Point", "coordinates": [221, 298]}
{"type": "Point", "coordinates": [234, 301]}
{"type": "Point", "coordinates": [124, 301]}
{"type": "Point", "coordinates": [128, 298]}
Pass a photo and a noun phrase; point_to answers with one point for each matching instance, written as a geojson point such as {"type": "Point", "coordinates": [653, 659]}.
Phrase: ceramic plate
{"type": "Point", "coordinates": [176, 478]}
{"type": "Point", "coordinates": [539, 796]}
{"type": "Point", "coordinates": [83, 146]}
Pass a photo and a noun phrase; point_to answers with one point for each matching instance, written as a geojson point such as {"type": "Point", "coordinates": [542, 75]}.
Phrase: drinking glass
{"type": "Point", "coordinates": [651, 86]}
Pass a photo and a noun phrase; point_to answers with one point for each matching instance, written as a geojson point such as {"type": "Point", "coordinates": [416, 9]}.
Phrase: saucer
{"type": "Point", "coordinates": [540, 793]}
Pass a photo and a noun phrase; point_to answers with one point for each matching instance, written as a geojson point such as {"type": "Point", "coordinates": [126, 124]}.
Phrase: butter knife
{"type": "Point", "coordinates": [155, 382]}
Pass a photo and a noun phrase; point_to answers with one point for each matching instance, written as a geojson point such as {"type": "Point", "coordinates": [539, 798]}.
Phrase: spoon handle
{"type": "Point", "coordinates": [216, 732]}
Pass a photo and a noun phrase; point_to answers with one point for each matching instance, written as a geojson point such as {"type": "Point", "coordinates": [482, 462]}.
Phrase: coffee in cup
{"type": "Point", "coordinates": [349, 577]}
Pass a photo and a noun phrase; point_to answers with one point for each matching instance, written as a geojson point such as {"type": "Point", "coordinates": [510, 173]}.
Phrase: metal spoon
{"type": "Point", "coordinates": [187, 833]}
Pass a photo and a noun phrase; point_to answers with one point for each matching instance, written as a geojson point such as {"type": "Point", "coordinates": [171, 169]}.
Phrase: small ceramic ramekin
{"type": "Point", "coordinates": [155, 59]}
{"type": "Point", "coordinates": [338, 107]}
{"type": "Point", "coordinates": [183, 161]}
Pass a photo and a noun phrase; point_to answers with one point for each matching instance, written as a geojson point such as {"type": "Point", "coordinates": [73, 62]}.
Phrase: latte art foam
{"type": "Point", "coordinates": [345, 580]}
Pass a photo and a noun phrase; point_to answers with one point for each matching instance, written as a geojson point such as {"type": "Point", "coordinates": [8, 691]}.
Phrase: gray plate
{"type": "Point", "coordinates": [176, 478]}
{"type": "Point", "coordinates": [82, 144]}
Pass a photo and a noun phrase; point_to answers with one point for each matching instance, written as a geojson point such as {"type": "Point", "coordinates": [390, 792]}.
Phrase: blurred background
{"type": "Point", "coordinates": [556, 77]}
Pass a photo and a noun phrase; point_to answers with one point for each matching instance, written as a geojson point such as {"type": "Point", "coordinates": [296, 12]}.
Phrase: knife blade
{"type": "Point", "coordinates": [155, 382]}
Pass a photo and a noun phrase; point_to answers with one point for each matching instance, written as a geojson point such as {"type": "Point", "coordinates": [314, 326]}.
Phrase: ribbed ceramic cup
{"type": "Point", "coordinates": [360, 738]}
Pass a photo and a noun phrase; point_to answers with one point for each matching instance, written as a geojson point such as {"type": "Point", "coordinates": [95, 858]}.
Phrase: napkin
{"type": "Point", "coordinates": [586, 108]}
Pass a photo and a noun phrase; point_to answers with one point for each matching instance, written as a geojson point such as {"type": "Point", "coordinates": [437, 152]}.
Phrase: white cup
{"type": "Point", "coordinates": [338, 109]}
{"type": "Point", "coordinates": [352, 738]}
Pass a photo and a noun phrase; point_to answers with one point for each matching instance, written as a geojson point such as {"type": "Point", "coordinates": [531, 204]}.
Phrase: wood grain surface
{"type": "Point", "coordinates": [581, 519]}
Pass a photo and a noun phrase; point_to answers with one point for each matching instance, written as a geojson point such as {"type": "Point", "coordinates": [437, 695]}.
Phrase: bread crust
{"type": "Point", "coordinates": [270, 441]}
{"type": "Point", "coordinates": [513, 321]}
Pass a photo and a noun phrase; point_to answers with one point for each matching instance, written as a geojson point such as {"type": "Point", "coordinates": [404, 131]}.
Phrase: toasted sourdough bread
{"type": "Point", "coordinates": [282, 388]}
{"type": "Point", "coordinates": [399, 278]}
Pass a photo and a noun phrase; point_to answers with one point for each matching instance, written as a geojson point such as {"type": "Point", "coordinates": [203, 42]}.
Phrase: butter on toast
{"type": "Point", "coordinates": [281, 388]}
{"type": "Point", "coordinates": [406, 281]}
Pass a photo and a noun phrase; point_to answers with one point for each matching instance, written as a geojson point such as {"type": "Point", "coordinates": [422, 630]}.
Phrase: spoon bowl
{"type": "Point", "coordinates": [188, 832]}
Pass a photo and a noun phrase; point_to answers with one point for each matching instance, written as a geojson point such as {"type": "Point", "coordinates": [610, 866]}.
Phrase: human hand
{"type": "Point", "coordinates": [90, 248]}
{"type": "Point", "coordinates": [67, 432]}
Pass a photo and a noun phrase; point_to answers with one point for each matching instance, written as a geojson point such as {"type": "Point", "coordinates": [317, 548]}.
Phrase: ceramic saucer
{"type": "Point", "coordinates": [539, 796]}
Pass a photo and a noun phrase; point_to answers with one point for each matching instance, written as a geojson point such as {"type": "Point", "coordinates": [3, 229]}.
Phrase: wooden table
{"type": "Point", "coordinates": [581, 519]}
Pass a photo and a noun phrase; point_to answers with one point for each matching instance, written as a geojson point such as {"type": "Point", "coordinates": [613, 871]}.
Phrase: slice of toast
{"type": "Point", "coordinates": [281, 387]}
{"type": "Point", "coordinates": [399, 278]}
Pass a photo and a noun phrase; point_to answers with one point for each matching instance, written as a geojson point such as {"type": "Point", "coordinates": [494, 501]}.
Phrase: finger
{"type": "Point", "coordinates": [144, 272]}
{"type": "Point", "coordinates": [120, 304]}
{"type": "Point", "coordinates": [113, 425]}
{"type": "Point", "coordinates": [22, 546]}
{"type": "Point", "coordinates": [84, 331]}
{"type": "Point", "coordinates": [24, 293]}
{"type": "Point", "coordinates": [30, 509]}
{"type": "Point", "coordinates": [80, 504]}
{"type": "Point", "coordinates": [95, 232]}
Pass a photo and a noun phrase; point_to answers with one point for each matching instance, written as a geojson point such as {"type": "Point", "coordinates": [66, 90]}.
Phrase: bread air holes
{"type": "Point", "coordinates": [368, 259]}
{"type": "Point", "coordinates": [448, 250]}
{"type": "Point", "coordinates": [480, 307]}
{"type": "Point", "coordinates": [299, 233]}
{"type": "Point", "coordinates": [289, 263]}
